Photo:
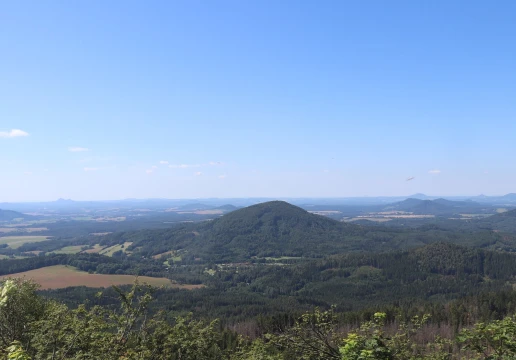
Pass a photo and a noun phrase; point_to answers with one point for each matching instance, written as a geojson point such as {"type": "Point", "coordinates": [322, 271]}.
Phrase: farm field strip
{"type": "Point", "coordinates": [15, 242]}
{"type": "Point", "coordinates": [62, 276]}
{"type": "Point", "coordinates": [110, 250]}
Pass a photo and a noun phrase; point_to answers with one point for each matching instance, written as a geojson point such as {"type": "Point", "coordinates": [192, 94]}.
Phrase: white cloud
{"type": "Point", "coordinates": [154, 167]}
{"type": "Point", "coordinates": [213, 163]}
{"type": "Point", "coordinates": [163, 162]}
{"type": "Point", "coordinates": [77, 149]}
{"type": "Point", "coordinates": [326, 171]}
{"type": "Point", "coordinates": [13, 133]}
{"type": "Point", "coordinates": [91, 169]}
{"type": "Point", "coordinates": [435, 172]}
{"type": "Point", "coordinates": [223, 176]}
{"type": "Point", "coordinates": [28, 172]}
{"type": "Point", "coordinates": [198, 173]}
{"type": "Point", "coordinates": [184, 166]}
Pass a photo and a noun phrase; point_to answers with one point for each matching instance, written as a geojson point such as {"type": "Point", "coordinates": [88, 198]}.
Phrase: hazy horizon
{"type": "Point", "coordinates": [259, 197]}
{"type": "Point", "coordinates": [228, 99]}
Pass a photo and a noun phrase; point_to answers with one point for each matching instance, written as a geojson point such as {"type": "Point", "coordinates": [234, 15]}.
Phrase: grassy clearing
{"type": "Point", "coordinates": [62, 276]}
{"type": "Point", "coordinates": [69, 249]}
{"type": "Point", "coordinates": [97, 248]}
{"type": "Point", "coordinates": [385, 219]}
{"type": "Point", "coordinates": [15, 242]}
{"type": "Point", "coordinates": [172, 255]}
{"type": "Point", "coordinates": [3, 257]}
{"type": "Point", "coordinates": [112, 249]}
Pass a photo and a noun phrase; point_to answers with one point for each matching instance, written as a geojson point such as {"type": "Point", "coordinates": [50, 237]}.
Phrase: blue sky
{"type": "Point", "coordinates": [180, 99]}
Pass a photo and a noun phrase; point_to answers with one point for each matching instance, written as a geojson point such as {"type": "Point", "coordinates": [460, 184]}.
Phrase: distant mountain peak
{"type": "Point", "coordinates": [61, 200]}
{"type": "Point", "coordinates": [419, 196]}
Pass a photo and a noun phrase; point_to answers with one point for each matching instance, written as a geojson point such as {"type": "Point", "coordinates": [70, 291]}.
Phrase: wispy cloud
{"type": "Point", "coordinates": [77, 149]}
{"type": "Point", "coordinates": [163, 162]}
{"type": "Point", "coordinates": [184, 166]}
{"type": "Point", "coordinates": [198, 173]}
{"type": "Point", "coordinates": [28, 172]}
{"type": "Point", "coordinates": [151, 170]}
{"type": "Point", "coordinates": [223, 176]}
{"type": "Point", "coordinates": [13, 133]}
{"type": "Point", "coordinates": [435, 172]}
{"type": "Point", "coordinates": [215, 163]}
{"type": "Point", "coordinates": [91, 168]}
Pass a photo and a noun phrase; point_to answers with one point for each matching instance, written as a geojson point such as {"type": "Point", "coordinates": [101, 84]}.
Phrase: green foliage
{"type": "Point", "coordinates": [313, 336]}
{"type": "Point", "coordinates": [494, 340]}
{"type": "Point", "coordinates": [19, 306]}
{"type": "Point", "coordinates": [131, 332]}
{"type": "Point", "coordinates": [368, 342]}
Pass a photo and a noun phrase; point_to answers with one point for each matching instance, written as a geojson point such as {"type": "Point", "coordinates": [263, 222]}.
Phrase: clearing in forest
{"type": "Point", "coordinates": [15, 242]}
{"type": "Point", "coordinates": [62, 276]}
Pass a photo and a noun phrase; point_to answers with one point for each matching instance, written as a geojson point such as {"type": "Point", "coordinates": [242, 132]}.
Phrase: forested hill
{"type": "Point", "coordinates": [9, 215]}
{"type": "Point", "coordinates": [503, 222]}
{"type": "Point", "coordinates": [276, 229]}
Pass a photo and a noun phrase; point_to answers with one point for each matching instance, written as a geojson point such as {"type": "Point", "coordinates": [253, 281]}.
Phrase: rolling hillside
{"type": "Point", "coordinates": [9, 215]}
{"type": "Point", "coordinates": [276, 229]}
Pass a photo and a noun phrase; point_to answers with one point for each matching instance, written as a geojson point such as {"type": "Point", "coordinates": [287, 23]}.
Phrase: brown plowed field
{"type": "Point", "coordinates": [62, 276]}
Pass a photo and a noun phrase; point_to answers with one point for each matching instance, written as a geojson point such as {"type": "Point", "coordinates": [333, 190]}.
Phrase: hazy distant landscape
{"type": "Point", "coordinates": [257, 180]}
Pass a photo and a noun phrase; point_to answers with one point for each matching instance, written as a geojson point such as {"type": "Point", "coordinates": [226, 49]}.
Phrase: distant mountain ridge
{"type": "Point", "coordinates": [435, 207]}
{"type": "Point", "coordinates": [68, 204]}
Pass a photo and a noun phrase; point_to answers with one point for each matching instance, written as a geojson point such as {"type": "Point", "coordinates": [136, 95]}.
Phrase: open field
{"type": "Point", "coordinates": [112, 249]}
{"type": "Point", "coordinates": [377, 219]}
{"type": "Point", "coordinates": [97, 248]}
{"type": "Point", "coordinates": [15, 242]}
{"type": "Point", "coordinates": [82, 218]}
{"type": "Point", "coordinates": [8, 229]}
{"type": "Point", "coordinates": [62, 276]}
{"type": "Point", "coordinates": [69, 249]}
{"type": "Point", "coordinates": [3, 257]}
{"type": "Point", "coordinates": [325, 212]}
